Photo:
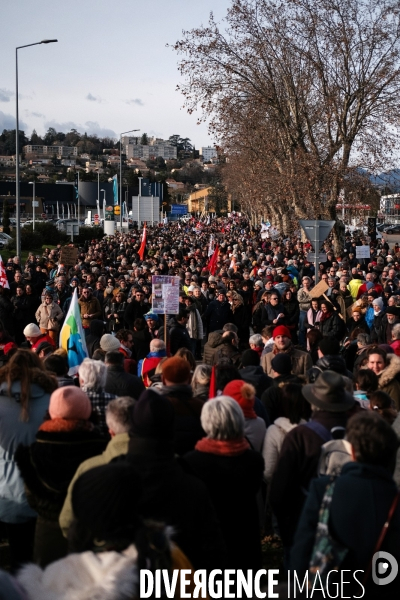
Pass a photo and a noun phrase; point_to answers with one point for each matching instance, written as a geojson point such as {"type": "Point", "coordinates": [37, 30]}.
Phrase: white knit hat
{"type": "Point", "coordinates": [109, 343]}
{"type": "Point", "coordinates": [32, 330]}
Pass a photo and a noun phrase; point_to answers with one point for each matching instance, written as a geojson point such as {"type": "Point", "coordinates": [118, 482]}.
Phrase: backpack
{"type": "Point", "coordinates": [335, 452]}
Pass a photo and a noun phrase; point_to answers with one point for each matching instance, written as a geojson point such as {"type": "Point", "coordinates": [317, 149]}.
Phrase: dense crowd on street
{"type": "Point", "coordinates": [267, 406]}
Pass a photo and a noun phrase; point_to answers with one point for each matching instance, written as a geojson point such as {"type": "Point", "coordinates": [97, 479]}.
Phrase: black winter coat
{"type": "Point", "coordinates": [120, 383]}
{"type": "Point", "coordinates": [170, 493]}
{"type": "Point", "coordinates": [360, 505]}
{"type": "Point", "coordinates": [217, 315]}
{"type": "Point", "coordinates": [187, 425]}
{"type": "Point", "coordinates": [331, 362]}
{"type": "Point", "coordinates": [333, 326]}
{"type": "Point", "coordinates": [47, 467]}
{"type": "Point", "coordinates": [233, 483]}
{"type": "Point", "coordinates": [179, 337]}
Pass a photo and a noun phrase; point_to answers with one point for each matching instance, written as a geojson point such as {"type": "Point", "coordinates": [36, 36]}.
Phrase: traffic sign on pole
{"type": "Point", "coordinates": [96, 217]}
{"type": "Point", "coordinates": [316, 232]}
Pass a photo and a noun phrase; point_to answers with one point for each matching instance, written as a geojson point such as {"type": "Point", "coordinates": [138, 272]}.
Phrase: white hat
{"type": "Point", "coordinates": [259, 284]}
{"type": "Point", "coordinates": [191, 288]}
{"type": "Point", "coordinates": [212, 278]}
{"type": "Point", "coordinates": [32, 330]}
{"type": "Point", "coordinates": [109, 343]}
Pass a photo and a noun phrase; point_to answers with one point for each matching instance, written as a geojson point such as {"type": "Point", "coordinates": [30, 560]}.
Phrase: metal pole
{"type": "Point", "coordinates": [98, 188]}
{"type": "Point", "coordinates": [120, 182]}
{"type": "Point", "coordinates": [316, 261]}
{"type": "Point", "coordinates": [17, 207]}
{"type": "Point", "coordinates": [120, 174]}
{"type": "Point", "coordinates": [17, 188]}
{"type": "Point", "coordinates": [33, 204]}
{"type": "Point", "coordinates": [78, 198]}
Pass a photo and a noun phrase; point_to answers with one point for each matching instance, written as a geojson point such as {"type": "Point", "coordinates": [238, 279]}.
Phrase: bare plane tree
{"type": "Point", "coordinates": [306, 91]}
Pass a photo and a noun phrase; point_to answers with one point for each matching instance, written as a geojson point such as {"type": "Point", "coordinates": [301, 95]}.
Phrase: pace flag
{"type": "Point", "coordinates": [72, 336]}
{"type": "Point", "coordinates": [143, 244]}
{"type": "Point", "coordinates": [212, 265]}
{"type": "Point", "coordinates": [3, 277]}
{"type": "Point", "coordinates": [115, 189]}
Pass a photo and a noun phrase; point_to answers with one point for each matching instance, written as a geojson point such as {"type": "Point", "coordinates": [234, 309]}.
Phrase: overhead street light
{"type": "Point", "coordinates": [120, 174]}
{"type": "Point", "coordinates": [17, 189]}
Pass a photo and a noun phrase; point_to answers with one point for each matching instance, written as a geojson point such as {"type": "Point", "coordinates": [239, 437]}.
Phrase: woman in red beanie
{"type": "Point", "coordinates": [47, 466]}
{"type": "Point", "coordinates": [232, 473]}
{"type": "Point", "coordinates": [245, 395]}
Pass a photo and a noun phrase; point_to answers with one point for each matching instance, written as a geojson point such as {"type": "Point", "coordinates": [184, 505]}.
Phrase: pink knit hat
{"type": "Point", "coordinates": [69, 402]}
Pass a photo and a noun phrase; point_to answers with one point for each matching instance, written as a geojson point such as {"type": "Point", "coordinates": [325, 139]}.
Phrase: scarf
{"type": "Point", "coordinates": [223, 447]}
{"type": "Point", "coordinates": [325, 316]}
{"type": "Point", "coordinates": [58, 425]}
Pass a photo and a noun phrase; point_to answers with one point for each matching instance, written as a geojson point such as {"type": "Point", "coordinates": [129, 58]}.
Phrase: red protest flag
{"type": "Point", "coordinates": [143, 244]}
{"type": "Point", "coordinates": [212, 265]}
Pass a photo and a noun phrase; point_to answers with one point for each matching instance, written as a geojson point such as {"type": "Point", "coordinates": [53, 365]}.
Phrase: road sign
{"type": "Point", "coordinates": [117, 210]}
{"type": "Point", "coordinates": [179, 209]}
{"type": "Point", "coordinates": [44, 215]}
{"type": "Point", "coordinates": [35, 203]}
{"type": "Point", "coordinates": [316, 232]}
{"type": "Point", "coordinates": [96, 217]}
{"type": "Point", "coordinates": [311, 257]}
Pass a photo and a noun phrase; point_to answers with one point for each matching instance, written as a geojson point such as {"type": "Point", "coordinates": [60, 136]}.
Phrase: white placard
{"type": "Point", "coordinates": [363, 252]}
{"type": "Point", "coordinates": [165, 293]}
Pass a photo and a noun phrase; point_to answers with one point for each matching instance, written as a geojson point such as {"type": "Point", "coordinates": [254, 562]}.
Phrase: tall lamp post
{"type": "Point", "coordinates": [33, 202]}
{"type": "Point", "coordinates": [120, 173]}
{"type": "Point", "coordinates": [17, 194]}
{"type": "Point", "coordinates": [104, 204]}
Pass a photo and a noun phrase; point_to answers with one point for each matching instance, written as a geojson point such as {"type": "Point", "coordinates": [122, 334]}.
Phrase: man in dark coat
{"type": "Point", "coordinates": [179, 335]}
{"type": "Point", "coordinates": [170, 493]}
{"type": "Point", "coordinates": [300, 452]}
{"type": "Point", "coordinates": [136, 309]}
{"type": "Point", "coordinates": [119, 382]}
{"type": "Point", "coordinates": [329, 359]}
{"type": "Point", "coordinates": [176, 387]}
{"type": "Point", "coordinates": [362, 498]}
{"type": "Point", "coordinates": [218, 313]}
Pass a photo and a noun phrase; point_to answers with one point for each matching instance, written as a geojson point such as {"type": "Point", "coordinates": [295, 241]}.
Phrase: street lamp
{"type": "Point", "coordinates": [17, 194]}
{"type": "Point", "coordinates": [33, 202]}
{"type": "Point", "coordinates": [120, 173]}
{"type": "Point", "coordinates": [104, 204]}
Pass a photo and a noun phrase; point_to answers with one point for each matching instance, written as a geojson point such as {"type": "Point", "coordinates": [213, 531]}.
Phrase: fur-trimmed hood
{"type": "Point", "coordinates": [86, 576]}
{"type": "Point", "coordinates": [391, 371]}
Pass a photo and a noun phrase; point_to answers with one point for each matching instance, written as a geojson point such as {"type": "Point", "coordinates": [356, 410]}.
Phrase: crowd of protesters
{"type": "Point", "coordinates": [261, 407]}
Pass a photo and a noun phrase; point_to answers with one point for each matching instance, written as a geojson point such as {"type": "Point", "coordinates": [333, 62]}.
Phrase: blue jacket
{"type": "Point", "coordinates": [158, 354]}
{"type": "Point", "coordinates": [14, 506]}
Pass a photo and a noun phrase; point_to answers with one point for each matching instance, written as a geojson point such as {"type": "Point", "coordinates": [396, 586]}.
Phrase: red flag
{"type": "Point", "coordinates": [143, 244]}
{"type": "Point", "coordinates": [212, 391]}
{"type": "Point", "coordinates": [212, 265]}
{"type": "Point", "coordinates": [3, 277]}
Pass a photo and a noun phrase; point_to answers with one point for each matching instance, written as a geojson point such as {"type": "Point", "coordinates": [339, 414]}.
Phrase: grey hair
{"type": "Point", "coordinates": [257, 340]}
{"type": "Point", "coordinates": [93, 374]}
{"type": "Point", "coordinates": [119, 414]}
{"type": "Point", "coordinates": [396, 332]}
{"type": "Point", "coordinates": [157, 345]}
{"type": "Point", "coordinates": [222, 419]}
{"type": "Point", "coordinates": [201, 377]}
{"type": "Point", "coordinates": [363, 339]}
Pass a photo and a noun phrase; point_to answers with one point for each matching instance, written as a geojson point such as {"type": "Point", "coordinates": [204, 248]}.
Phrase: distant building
{"type": "Point", "coordinates": [175, 185]}
{"type": "Point", "coordinates": [50, 150]}
{"type": "Point", "coordinates": [208, 153]}
{"type": "Point", "coordinates": [156, 147]}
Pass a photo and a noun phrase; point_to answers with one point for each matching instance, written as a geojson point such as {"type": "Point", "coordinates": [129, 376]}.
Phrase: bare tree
{"type": "Point", "coordinates": [308, 90]}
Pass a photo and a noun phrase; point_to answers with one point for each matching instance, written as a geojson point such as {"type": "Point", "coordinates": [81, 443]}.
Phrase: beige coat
{"type": "Point", "coordinates": [301, 362]}
{"type": "Point", "coordinates": [49, 316]}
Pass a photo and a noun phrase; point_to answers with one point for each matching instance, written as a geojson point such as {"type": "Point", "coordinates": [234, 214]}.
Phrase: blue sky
{"type": "Point", "coordinates": [110, 70]}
